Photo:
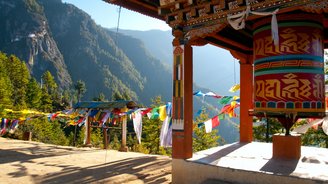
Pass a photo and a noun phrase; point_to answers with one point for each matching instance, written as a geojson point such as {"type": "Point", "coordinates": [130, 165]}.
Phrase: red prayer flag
{"type": "Point", "coordinates": [215, 121]}
{"type": "Point", "coordinates": [146, 111]}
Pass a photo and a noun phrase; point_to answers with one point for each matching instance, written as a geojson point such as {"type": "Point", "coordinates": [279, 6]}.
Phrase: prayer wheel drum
{"type": "Point", "coordinates": [289, 76]}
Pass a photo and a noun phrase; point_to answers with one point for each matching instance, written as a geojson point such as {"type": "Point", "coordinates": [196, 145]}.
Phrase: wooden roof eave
{"type": "Point", "coordinates": [138, 6]}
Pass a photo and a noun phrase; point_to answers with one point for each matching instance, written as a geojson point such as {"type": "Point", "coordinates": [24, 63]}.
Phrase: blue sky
{"type": "Point", "coordinates": [106, 15]}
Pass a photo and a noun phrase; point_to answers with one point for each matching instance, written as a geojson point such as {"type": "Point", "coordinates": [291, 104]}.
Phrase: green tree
{"type": "Point", "coordinates": [50, 89]}
{"type": "Point", "coordinates": [33, 95]}
{"type": "Point", "coordinates": [117, 96]}
{"type": "Point", "coordinates": [45, 131]}
{"type": "Point", "coordinates": [46, 101]}
{"type": "Point", "coordinates": [80, 89]}
{"type": "Point", "coordinates": [101, 98]}
{"type": "Point", "coordinates": [49, 83]}
{"type": "Point", "coordinates": [67, 98]}
{"type": "Point", "coordinates": [19, 77]}
{"type": "Point", "coordinates": [262, 134]}
{"type": "Point", "coordinates": [115, 143]}
{"type": "Point", "coordinates": [201, 139]}
{"type": "Point", "coordinates": [315, 137]}
{"type": "Point", "coordinates": [96, 137]}
{"type": "Point", "coordinates": [5, 83]}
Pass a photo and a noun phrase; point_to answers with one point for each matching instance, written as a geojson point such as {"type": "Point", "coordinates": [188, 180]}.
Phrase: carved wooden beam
{"type": "Point", "coordinates": [243, 58]}
{"type": "Point", "coordinates": [231, 42]}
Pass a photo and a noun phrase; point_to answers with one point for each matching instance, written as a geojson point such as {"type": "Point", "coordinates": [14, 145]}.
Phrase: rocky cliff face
{"type": "Point", "coordinates": [25, 32]}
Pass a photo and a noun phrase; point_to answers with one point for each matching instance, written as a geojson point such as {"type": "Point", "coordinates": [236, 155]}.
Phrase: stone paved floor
{"type": "Point", "coordinates": [33, 162]}
{"type": "Point", "coordinates": [257, 157]}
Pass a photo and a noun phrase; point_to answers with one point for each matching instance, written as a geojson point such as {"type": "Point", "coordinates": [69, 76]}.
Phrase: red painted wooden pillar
{"type": "Point", "coordinates": [246, 96]}
{"type": "Point", "coordinates": [182, 112]}
{"type": "Point", "coordinates": [246, 102]}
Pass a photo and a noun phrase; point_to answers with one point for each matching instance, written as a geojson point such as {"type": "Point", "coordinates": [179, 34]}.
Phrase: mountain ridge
{"type": "Point", "coordinates": [75, 48]}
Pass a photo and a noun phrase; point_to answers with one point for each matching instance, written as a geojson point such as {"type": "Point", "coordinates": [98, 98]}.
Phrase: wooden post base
{"type": "Point", "coordinates": [27, 136]}
{"type": "Point", "coordinates": [124, 149]}
{"type": "Point", "coordinates": [286, 147]}
{"type": "Point", "coordinates": [88, 145]}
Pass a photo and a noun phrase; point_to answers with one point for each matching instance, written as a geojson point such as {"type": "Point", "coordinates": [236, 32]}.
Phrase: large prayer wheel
{"type": "Point", "coordinates": [289, 76]}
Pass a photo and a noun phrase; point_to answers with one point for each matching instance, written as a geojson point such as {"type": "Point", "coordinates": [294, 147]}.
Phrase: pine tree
{"type": "Point", "coordinates": [80, 89]}
{"type": "Point", "coordinates": [117, 96]}
{"type": "Point", "coordinates": [5, 83]}
{"type": "Point", "coordinates": [46, 102]}
{"type": "Point", "coordinates": [101, 98]}
{"type": "Point", "coordinates": [66, 98]}
{"type": "Point", "coordinates": [34, 94]}
{"type": "Point", "coordinates": [201, 139]}
{"type": "Point", "coordinates": [264, 131]}
{"type": "Point", "coordinates": [50, 86]}
{"type": "Point", "coordinates": [19, 76]}
{"type": "Point", "coordinates": [49, 83]}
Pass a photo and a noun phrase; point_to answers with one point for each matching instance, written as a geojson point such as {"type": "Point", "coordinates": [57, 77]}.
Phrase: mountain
{"type": "Point", "coordinates": [55, 36]}
{"type": "Point", "coordinates": [25, 32]}
{"type": "Point", "coordinates": [214, 68]}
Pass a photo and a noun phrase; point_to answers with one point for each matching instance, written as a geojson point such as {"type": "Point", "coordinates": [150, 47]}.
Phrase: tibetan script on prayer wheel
{"type": "Point", "coordinates": [289, 77]}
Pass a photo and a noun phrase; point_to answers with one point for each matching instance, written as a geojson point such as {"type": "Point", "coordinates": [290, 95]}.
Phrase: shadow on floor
{"type": "Point", "coordinates": [216, 156]}
{"type": "Point", "coordinates": [35, 151]}
{"type": "Point", "coordinates": [281, 167]}
{"type": "Point", "coordinates": [114, 172]}
{"type": "Point", "coordinates": [149, 169]}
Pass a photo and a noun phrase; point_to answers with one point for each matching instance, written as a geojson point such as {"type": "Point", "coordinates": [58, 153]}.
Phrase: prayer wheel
{"type": "Point", "coordinates": [289, 75]}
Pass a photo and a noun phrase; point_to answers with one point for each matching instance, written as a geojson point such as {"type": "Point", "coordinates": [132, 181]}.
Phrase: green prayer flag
{"type": "Point", "coordinates": [225, 99]}
{"type": "Point", "coordinates": [221, 116]}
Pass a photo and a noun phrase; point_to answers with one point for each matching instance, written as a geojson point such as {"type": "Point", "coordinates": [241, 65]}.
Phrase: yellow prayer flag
{"type": "Point", "coordinates": [162, 112]}
{"type": "Point", "coordinates": [235, 98]}
{"type": "Point", "coordinates": [234, 88]}
{"type": "Point", "coordinates": [233, 104]}
{"type": "Point", "coordinates": [97, 115]}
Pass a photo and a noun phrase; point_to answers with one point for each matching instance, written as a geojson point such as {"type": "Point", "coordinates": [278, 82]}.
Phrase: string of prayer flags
{"type": "Point", "coordinates": [229, 109]}
{"type": "Point", "coordinates": [105, 117]}
{"type": "Point", "coordinates": [166, 130]}
{"type": "Point", "coordinates": [211, 94]}
{"type": "Point", "coordinates": [54, 115]}
{"type": "Point", "coordinates": [199, 93]}
{"type": "Point", "coordinates": [93, 112]}
{"type": "Point", "coordinates": [8, 126]}
{"type": "Point", "coordinates": [211, 123]}
{"type": "Point", "coordinates": [97, 115]}
{"type": "Point", "coordinates": [13, 126]}
{"type": "Point", "coordinates": [234, 88]}
{"type": "Point", "coordinates": [137, 124]}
